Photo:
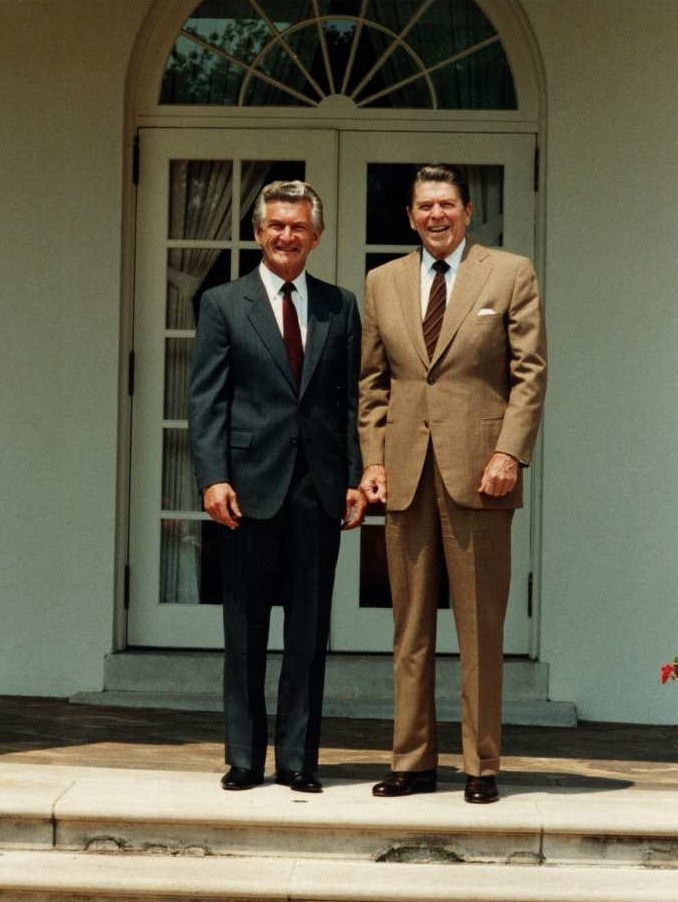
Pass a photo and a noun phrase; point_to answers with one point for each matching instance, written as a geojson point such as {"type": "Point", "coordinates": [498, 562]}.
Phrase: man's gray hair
{"type": "Point", "coordinates": [293, 192]}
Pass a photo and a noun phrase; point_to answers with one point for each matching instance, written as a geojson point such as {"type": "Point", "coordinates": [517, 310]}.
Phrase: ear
{"type": "Point", "coordinates": [409, 216]}
{"type": "Point", "coordinates": [469, 213]}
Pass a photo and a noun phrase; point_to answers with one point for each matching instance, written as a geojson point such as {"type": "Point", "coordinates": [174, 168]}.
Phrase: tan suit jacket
{"type": "Point", "coordinates": [483, 390]}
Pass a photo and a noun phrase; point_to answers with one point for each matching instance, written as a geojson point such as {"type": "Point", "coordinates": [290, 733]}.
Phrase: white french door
{"type": "Point", "coordinates": [196, 190]}
{"type": "Point", "coordinates": [372, 227]}
{"type": "Point", "coordinates": [195, 193]}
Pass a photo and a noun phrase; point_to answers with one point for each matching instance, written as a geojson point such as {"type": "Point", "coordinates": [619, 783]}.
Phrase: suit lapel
{"type": "Point", "coordinates": [471, 277]}
{"type": "Point", "coordinates": [319, 319]}
{"type": "Point", "coordinates": [260, 314]}
{"type": "Point", "coordinates": [408, 292]}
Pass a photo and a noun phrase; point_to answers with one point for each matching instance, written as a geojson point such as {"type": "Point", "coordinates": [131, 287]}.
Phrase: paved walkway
{"type": "Point", "coordinates": [591, 755]}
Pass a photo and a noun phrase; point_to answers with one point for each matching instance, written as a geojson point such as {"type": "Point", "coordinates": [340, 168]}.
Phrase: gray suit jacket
{"type": "Point", "coordinates": [246, 417]}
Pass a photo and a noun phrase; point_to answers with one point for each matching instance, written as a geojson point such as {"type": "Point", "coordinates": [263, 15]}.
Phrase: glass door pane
{"type": "Point", "coordinates": [210, 206]}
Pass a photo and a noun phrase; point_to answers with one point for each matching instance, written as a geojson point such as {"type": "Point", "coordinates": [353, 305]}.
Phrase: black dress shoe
{"type": "Point", "coordinates": [406, 783]}
{"type": "Point", "coordinates": [300, 781]}
{"type": "Point", "coordinates": [242, 778]}
{"type": "Point", "coordinates": [481, 790]}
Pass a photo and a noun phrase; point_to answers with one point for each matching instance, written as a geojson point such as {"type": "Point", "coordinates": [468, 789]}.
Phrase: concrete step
{"type": "Point", "coordinates": [356, 686]}
{"type": "Point", "coordinates": [176, 814]}
{"type": "Point", "coordinates": [82, 877]}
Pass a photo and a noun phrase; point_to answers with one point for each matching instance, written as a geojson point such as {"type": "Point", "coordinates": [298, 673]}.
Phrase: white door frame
{"type": "Point", "coordinates": [353, 628]}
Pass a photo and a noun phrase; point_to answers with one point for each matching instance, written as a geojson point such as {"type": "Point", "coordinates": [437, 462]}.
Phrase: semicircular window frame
{"type": "Point", "coordinates": [378, 54]}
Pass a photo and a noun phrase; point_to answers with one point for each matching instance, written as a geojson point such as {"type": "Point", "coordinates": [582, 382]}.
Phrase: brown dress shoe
{"type": "Point", "coordinates": [299, 781]}
{"type": "Point", "coordinates": [241, 778]}
{"type": "Point", "coordinates": [481, 790]}
{"type": "Point", "coordinates": [406, 783]}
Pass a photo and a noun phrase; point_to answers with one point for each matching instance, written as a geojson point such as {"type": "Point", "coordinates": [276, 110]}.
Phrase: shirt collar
{"type": "Point", "coordinates": [274, 283]}
{"type": "Point", "coordinates": [452, 261]}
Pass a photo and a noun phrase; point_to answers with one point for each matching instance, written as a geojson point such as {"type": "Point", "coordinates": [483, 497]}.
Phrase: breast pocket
{"type": "Point", "coordinates": [240, 438]}
{"type": "Point", "coordinates": [487, 319]}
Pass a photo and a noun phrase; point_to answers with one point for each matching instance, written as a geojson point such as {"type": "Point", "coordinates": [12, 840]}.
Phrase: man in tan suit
{"type": "Point", "coordinates": [451, 394]}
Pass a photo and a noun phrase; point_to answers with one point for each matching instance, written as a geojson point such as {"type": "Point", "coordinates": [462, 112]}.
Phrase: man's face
{"type": "Point", "coordinates": [287, 236]}
{"type": "Point", "coordinates": [439, 217]}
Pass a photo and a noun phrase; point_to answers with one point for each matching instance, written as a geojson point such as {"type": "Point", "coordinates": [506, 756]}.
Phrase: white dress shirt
{"type": "Point", "coordinates": [428, 273]}
{"type": "Point", "coordinates": [273, 285]}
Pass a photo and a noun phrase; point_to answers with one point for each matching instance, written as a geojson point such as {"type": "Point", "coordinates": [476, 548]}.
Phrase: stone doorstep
{"type": "Point", "coordinates": [534, 712]}
{"type": "Point", "coordinates": [349, 676]}
{"type": "Point", "coordinates": [101, 809]}
{"type": "Point", "coordinates": [35, 876]}
{"type": "Point", "coordinates": [357, 685]}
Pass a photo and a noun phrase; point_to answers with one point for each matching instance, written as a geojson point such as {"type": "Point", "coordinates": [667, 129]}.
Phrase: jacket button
{"type": "Point", "coordinates": [294, 440]}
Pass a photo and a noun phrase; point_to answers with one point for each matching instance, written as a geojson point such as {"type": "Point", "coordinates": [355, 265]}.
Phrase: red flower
{"type": "Point", "coordinates": [667, 672]}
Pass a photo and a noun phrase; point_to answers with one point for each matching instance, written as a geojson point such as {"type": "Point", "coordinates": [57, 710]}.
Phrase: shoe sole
{"type": "Point", "coordinates": [481, 801]}
{"type": "Point", "coordinates": [400, 795]}
{"type": "Point", "coordinates": [241, 788]}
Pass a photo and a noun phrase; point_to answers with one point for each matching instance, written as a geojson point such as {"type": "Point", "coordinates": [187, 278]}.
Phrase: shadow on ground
{"type": "Point", "coordinates": [593, 755]}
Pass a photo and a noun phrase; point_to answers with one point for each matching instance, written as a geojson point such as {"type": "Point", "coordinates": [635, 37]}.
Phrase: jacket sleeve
{"type": "Point", "coordinates": [353, 366]}
{"type": "Point", "coordinates": [208, 395]}
{"type": "Point", "coordinates": [527, 366]}
{"type": "Point", "coordinates": [375, 384]}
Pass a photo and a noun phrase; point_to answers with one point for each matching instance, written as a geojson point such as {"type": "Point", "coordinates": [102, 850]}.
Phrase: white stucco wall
{"type": "Point", "coordinates": [610, 566]}
{"type": "Point", "coordinates": [60, 184]}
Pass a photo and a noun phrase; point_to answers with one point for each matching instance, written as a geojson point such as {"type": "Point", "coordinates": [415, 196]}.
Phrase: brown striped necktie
{"type": "Point", "coordinates": [435, 311]}
{"type": "Point", "coordinates": [292, 332]}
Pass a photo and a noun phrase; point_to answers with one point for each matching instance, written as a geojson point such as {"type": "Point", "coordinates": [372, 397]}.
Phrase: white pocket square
{"type": "Point", "coordinates": [486, 311]}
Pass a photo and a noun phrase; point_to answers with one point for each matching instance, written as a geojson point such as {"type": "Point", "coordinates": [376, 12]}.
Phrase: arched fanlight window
{"type": "Point", "coordinates": [393, 54]}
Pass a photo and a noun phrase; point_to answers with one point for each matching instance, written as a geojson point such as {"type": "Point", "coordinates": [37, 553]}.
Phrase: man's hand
{"type": "Point", "coordinates": [500, 475]}
{"type": "Point", "coordinates": [354, 510]}
{"type": "Point", "coordinates": [373, 484]}
{"type": "Point", "coordinates": [221, 503]}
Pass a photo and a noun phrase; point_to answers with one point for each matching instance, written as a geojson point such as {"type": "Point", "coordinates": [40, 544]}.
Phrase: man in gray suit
{"type": "Point", "coordinates": [272, 423]}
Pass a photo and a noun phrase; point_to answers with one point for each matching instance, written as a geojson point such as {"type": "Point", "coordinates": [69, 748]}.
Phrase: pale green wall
{"type": "Point", "coordinates": [610, 530]}
{"type": "Point", "coordinates": [62, 73]}
{"type": "Point", "coordinates": [610, 587]}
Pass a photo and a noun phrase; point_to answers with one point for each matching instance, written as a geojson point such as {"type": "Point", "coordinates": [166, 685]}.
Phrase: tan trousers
{"type": "Point", "coordinates": [476, 548]}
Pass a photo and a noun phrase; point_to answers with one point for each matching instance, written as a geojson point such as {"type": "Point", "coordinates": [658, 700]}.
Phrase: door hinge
{"type": "Point", "coordinates": [536, 169]}
{"type": "Point", "coordinates": [126, 587]}
{"type": "Point", "coordinates": [530, 588]}
{"type": "Point", "coordinates": [131, 369]}
{"type": "Point", "coordinates": [136, 160]}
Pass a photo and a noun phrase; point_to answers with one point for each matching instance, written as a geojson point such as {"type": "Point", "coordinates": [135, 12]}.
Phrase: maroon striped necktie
{"type": "Point", "coordinates": [292, 332]}
{"type": "Point", "coordinates": [435, 311]}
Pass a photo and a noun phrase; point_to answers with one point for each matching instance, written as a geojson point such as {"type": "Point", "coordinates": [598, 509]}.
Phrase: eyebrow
{"type": "Point", "coordinates": [296, 223]}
